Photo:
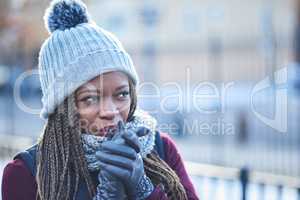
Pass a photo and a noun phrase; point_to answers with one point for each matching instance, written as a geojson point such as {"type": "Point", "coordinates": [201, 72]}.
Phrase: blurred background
{"type": "Point", "coordinates": [221, 76]}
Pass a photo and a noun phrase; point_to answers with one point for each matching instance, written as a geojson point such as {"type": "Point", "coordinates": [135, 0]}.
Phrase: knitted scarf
{"type": "Point", "coordinates": [91, 143]}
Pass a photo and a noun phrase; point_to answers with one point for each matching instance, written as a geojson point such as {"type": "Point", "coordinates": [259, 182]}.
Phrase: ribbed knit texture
{"type": "Point", "coordinates": [71, 57]}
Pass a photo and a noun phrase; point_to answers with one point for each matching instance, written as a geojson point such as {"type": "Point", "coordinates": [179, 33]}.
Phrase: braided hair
{"type": "Point", "coordinates": [61, 163]}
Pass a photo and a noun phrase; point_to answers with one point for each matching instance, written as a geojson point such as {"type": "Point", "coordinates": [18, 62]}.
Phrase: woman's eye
{"type": "Point", "coordinates": [90, 100]}
{"type": "Point", "coordinates": [123, 94]}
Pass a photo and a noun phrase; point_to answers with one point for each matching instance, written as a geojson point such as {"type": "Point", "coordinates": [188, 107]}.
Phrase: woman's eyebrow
{"type": "Point", "coordinates": [87, 90]}
{"type": "Point", "coordinates": [122, 86]}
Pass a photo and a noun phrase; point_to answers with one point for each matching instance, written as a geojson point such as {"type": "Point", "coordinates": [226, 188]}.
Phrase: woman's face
{"type": "Point", "coordinates": [102, 102]}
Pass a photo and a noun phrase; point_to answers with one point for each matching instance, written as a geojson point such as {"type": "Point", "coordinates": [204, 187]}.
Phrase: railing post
{"type": "Point", "coordinates": [261, 191]}
{"type": "Point", "coordinates": [279, 192]}
{"type": "Point", "coordinates": [244, 178]}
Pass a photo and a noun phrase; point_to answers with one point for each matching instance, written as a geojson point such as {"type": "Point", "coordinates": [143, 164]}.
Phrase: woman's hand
{"type": "Point", "coordinates": [120, 157]}
{"type": "Point", "coordinates": [110, 187]}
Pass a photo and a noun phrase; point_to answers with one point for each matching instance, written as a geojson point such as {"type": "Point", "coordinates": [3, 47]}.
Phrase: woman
{"type": "Point", "coordinates": [96, 144]}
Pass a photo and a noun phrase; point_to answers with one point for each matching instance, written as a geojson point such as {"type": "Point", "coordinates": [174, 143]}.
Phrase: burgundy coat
{"type": "Point", "coordinates": [19, 184]}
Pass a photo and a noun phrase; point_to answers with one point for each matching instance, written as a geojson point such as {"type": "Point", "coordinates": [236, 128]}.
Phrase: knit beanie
{"type": "Point", "coordinates": [76, 51]}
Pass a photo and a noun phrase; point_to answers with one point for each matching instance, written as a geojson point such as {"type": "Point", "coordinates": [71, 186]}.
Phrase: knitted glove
{"type": "Point", "coordinates": [120, 157]}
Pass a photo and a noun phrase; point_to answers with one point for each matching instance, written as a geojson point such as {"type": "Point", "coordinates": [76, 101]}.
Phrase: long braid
{"type": "Point", "coordinates": [60, 156]}
{"type": "Point", "coordinates": [81, 164]}
{"type": "Point", "coordinates": [160, 173]}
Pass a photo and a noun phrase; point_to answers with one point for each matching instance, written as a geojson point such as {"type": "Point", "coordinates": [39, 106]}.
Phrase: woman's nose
{"type": "Point", "coordinates": [108, 109]}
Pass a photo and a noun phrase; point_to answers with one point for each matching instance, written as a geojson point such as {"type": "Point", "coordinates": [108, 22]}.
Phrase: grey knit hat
{"type": "Point", "coordinates": [76, 51]}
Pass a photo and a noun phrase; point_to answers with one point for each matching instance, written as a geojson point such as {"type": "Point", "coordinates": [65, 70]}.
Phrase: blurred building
{"type": "Point", "coordinates": [21, 33]}
{"type": "Point", "coordinates": [218, 40]}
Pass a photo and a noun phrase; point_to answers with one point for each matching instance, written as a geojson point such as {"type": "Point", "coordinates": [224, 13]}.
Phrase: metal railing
{"type": "Point", "coordinates": [11, 144]}
{"type": "Point", "coordinates": [245, 177]}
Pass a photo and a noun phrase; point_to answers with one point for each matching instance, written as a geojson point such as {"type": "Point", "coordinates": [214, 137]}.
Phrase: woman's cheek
{"type": "Point", "coordinates": [86, 120]}
{"type": "Point", "coordinates": [87, 113]}
{"type": "Point", "coordinates": [124, 111]}
{"type": "Point", "coordinates": [124, 116]}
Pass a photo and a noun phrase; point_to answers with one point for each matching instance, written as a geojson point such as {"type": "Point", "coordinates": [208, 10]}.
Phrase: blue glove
{"type": "Point", "coordinates": [120, 157]}
{"type": "Point", "coordinates": [110, 188]}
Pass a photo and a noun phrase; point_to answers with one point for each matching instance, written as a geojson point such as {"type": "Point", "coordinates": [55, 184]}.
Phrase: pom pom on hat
{"type": "Point", "coordinates": [65, 14]}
